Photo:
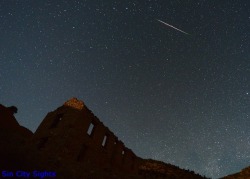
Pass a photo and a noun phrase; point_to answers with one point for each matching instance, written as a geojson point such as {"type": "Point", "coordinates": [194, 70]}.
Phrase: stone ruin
{"type": "Point", "coordinates": [76, 135]}
{"type": "Point", "coordinates": [74, 143]}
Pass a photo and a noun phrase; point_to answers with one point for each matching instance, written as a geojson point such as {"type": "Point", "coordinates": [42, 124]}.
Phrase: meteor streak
{"type": "Point", "coordinates": [172, 27]}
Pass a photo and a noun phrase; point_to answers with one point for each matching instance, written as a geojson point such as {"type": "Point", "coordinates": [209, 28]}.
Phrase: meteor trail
{"type": "Point", "coordinates": [172, 27]}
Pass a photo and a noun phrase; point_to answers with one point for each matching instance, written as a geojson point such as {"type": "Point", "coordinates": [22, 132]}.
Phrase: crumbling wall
{"type": "Point", "coordinates": [75, 135]}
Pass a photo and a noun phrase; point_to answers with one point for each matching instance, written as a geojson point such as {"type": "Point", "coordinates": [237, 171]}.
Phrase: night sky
{"type": "Point", "coordinates": [182, 99]}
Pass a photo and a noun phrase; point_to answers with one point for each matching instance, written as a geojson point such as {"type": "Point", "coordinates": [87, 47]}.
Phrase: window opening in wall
{"type": "Point", "coordinates": [104, 142]}
{"type": "Point", "coordinates": [123, 157]}
{"type": "Point", "coordinates": [91, 129]}
{"type": "Point", "coordinates": [82, 153]}
{"type": "Point", "coordinates": [56, 121]}
{"type": "Point", "coordinates": [42, 142]}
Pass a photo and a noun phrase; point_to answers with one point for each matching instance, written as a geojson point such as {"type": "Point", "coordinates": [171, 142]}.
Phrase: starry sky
{"type": "Point", "coordinates": [182, 99]}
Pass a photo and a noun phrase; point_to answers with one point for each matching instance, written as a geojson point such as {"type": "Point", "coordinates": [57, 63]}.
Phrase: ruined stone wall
{"type": "Point", "coordinates": [72, 133]}
{"type": "Point", "coordinates": [72, 142]}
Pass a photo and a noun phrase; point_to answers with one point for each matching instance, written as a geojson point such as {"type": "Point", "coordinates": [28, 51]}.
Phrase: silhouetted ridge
{"type": "Point", "coordinates": [243, 174]}
{"type": "Point", "coordinates": [158, 169]}
{"type": "Point", "coordinates": [74, 143]}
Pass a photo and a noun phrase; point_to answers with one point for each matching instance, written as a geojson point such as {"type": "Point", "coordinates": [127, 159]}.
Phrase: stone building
{"type": "Point", "coordinates": [74, 143]}
{"type": "Point", "coordinates": [73, 134]}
